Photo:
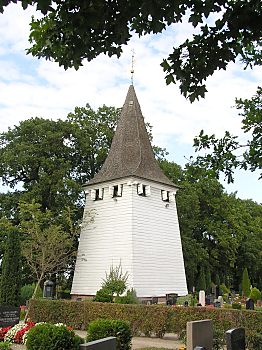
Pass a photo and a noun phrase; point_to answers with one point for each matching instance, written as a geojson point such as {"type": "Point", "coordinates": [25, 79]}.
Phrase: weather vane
{"type": "Point", "coordinates": [132, 67]}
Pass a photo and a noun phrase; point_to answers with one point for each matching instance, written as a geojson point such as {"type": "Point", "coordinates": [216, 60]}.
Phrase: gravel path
{"type": "Point", "coordinates": [169, 341]}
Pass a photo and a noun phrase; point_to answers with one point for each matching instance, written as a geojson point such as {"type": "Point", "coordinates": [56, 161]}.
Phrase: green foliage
{"type": "Point", "coordinates": [47, 247]}
{"type": "Point", "coordinates": [208, 281]}
{"type": "Point", "coordinates": [71, 32]}
{"type": "Point", "coordinates": [224, 288]}
{"type": "Point", "coordinates": [151, 320]}
{"type": "Point", "coordinates": [255, 294]}
{"type": "Point", "coordinates": [51, 337]}
{"type": "Point", "coordinates": [116, 280]}
{"type": "Point", "coordinates": [10, 282]}
{"type": "Point", "coordinates": [218, 338]}
{"type": "Point", "coordinates": [104, 295]}
{"type": "Point", "coordinates": [254, 341]}
{"type": "Point", "coordinates": [28, 290]}
{"type": "Point", "coordinates": [245, 283]}
{"type": "Point", "coordinates": [99, 329]}
{"type": "Point", "coordinates": [201, 283]}
{"type": "Point", "coordinates": [236, 306]}
{"type": "Point", "coordinates": [129, 298]}
{"type": "Point", "coordinates": [5, 346]}
{"type": "Point", "coordinates": [224, 154]}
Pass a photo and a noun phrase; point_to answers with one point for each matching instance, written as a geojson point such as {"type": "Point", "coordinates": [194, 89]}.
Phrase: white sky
{"type": "Point", "coordinates": [30, 87]}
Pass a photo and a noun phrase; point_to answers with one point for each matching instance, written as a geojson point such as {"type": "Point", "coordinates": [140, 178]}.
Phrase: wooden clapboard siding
{"type": "Point", "coordinates": [141, 232]}
{"type": "Point", "coordinates": [104, 242]}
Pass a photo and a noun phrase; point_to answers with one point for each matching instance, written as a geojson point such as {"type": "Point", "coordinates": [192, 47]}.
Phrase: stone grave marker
{"type": "Point", "coordinates": [200, 333]}
{"type": "Point", "coordinates": [250, 305]}
{"type": "Point", "coordinates": [9, 315]}
{"type": "Point", "coordinates": [108, 343]}
{"type": "Point", "coordinates": [202, 297]}
{"type": "Point", "coordinates": [235, 339]}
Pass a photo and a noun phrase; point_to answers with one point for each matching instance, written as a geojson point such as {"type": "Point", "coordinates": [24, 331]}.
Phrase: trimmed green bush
{"type": "Point", "coordinates": [5, 346]}
{"type": "Point", "coordinates": [254, 341]}
{"type": "Point", "coordinates": [145, 319]}
{"type": "Point", "coordinates": [51, 337]}
{"type": "Point", "coordinates": [111, 328]}
{"type": "Point", "coordinates": [236, 306]}
{"type": "Point", "coordinates": [103, 295]}
{"type": "Point", "coordinates": [255, 294]}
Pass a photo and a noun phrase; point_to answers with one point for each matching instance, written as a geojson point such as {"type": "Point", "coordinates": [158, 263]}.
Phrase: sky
{"type": "Point", "coordinates": [30, 87]}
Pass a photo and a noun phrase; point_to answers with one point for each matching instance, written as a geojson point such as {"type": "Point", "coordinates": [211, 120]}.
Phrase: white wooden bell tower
{"type": "Point", "coordinates": [132, 217]}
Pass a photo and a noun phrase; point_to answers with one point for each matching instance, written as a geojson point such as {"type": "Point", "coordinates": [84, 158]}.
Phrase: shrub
{"type": "Point", "coordinates": [103, 295]}
{"type": "Point", "coordinates": [236, 306]}
{"type": "Point", "coordinates": [5, 346]}
{"type": "Point", "coordinates": [51, 337]}
{"type": "Point", "coordinates": [245, 283]}
{"type": "Point", "coordinates": [254, 341]}
{"type": "Point", "coordinates": [224, 288]}
{"type": "Point", "coordinates": [111, 328]}
{"type": "Point", "coordinates": [27, 291]}
{"type": "Point", "coordinates": [255, 294]}
{"type": "Point", "coordinates": [129, 298]}
{"type": "Point", "coordinates": [146, 319]}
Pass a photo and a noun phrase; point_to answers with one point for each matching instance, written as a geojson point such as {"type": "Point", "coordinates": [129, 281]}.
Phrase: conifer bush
{"type": "Point", "coordinates": [99, 329]}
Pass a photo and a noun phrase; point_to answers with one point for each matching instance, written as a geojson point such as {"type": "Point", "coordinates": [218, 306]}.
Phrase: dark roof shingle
{"type": "Point", "coordinates": [131, 153]}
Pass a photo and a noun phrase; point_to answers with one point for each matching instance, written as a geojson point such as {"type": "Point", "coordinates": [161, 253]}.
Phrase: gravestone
{"type": "Point", "coordinates": [9, 315]}
{"type": "Point", "coordinates": [250, 305]}
{"type": "Point", "coordinates": [220, 299]}
{"type": "Point", "coordinates": [235, 339]}
{"type": "Point", "coordinates": [202, 298]}
{"type": "Point", "coordinates": [200, 333]}
{"type": "Point", "coordinates": [171, 299]}
{"type": "Point", "coordinates": [108, 343]}
{"type": "Point", "coordinates": [217, 303]}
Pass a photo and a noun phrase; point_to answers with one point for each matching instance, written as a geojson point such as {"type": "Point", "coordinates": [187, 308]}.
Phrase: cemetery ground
{"type": "Point", "coordinates": [169, 341]}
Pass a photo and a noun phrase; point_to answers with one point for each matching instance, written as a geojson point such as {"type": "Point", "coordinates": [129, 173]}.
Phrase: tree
{"type": "Point", "coordinates": [46, 247]}
{"type": "Point", "coordinates": [10, 282]}
{"type": "Point", "coordinates": [245, 283]}
{"type": "Point", "coordinates": [225, 152]}
{"type": "Point", "coordinates": [201, 283]}
{"type": "Point", "coordinates": [72, 31]}
{"type": "Point", "coordinates": [53, 159]}
{"type": "Point", "coordinates": [116, 280]}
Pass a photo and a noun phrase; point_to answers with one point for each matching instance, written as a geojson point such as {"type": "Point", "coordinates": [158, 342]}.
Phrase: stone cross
{"type": "Point", "coordinates": [235, 339]}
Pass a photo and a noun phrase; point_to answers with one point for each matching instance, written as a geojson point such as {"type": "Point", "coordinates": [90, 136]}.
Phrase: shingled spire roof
{"type": "Point", "coordinates": [131, 153]}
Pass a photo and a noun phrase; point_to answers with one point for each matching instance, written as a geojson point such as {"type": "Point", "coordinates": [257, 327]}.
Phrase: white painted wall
{"type": "Point", "coordinates": [141, 232]}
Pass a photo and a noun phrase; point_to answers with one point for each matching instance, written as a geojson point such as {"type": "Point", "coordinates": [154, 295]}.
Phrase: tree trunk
{"type": "Point", "coordinates": [34, 295]}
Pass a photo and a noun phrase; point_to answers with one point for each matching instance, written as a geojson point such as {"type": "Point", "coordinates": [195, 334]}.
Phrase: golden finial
{"type": "Point", "coordinates": [132, 67]}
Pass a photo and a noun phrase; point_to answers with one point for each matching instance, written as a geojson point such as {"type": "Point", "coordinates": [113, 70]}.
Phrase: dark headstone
{"type": "Point", "coordinates": [154, 300]}
{"type": "Point", "coordinates": [217, 292]}
{"type": "Point", "coordinates": [217, 304]}
{"type": "Point", "coordinates": [235, 339]}
{"type": "Point", "coordinates": [250, 305]}
{"type": "Point", "coordinates": [186, 303]}
{"type": "Point", "coordinates": [48, 289]}
{"type": "Point", "coordinates": [101, 344]}
{"type": "Point", "coordinates": [171, 298]}
{"type": "Point", "coordinates": [9, 315]}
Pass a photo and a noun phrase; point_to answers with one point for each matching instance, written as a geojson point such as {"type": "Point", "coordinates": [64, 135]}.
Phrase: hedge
{"type": "Point", "coordinates": [144, 319]}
